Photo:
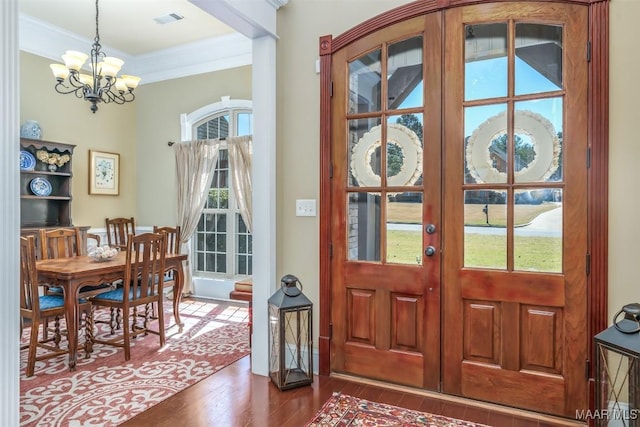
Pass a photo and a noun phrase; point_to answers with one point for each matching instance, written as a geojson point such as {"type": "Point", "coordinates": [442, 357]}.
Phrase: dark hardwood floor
{"type": "Point", "coordinates": [236, 397]}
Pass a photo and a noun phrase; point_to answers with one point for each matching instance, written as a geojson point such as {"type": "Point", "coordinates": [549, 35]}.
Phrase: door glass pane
{"type": "Point", "coordinates": [363, 226]}
{"type": "Point", "coordinates": [538, 140]}
{"type": "Point", "coordinates": [537, 240]}
{"type": "Point", "coordinates": [538, 58]}
{"type": "Point", "coordinates": [364, 83]}
{"type": "Point", "coordinates": [485, 232]}
{"type": "Point", "coordinates": [364, 153]}
{"type": "Point", "coordinates": [485, 57]}
{"type": "Point", "coordinates": [404, 150]}
{"type": "Point", "coordinates": [404, 69]}
{"type": "Point", "coordinates": [404, 228]}
{"type": "Point", "coordinates": [486, 159]}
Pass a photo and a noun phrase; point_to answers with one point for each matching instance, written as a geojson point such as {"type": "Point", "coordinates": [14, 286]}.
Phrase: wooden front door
{"type": "Point", "coordinates": [386, 201]}
{"type": "Point", "coordinates": [458, 247]}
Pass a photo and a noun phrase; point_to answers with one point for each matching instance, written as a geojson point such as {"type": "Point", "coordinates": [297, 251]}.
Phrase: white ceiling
{"type": "Point", "coordinates": [199, 43]}
{"type": "Point", "coordinates": [128, 25]}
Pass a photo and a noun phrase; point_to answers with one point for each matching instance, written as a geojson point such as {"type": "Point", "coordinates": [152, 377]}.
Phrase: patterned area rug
{"type": "Point", "coordinates": [343, 410]}
{"type": "Point", "coordinates": [106, 391]}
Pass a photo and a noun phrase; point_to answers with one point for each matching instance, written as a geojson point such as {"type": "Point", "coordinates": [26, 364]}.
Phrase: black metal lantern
{"type": "Point", "coordinates": [290, 339]}
{"type": "Point", "coordinates": [617, 357]}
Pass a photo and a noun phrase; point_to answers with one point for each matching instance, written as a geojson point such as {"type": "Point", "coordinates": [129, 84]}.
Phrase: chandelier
{"type": "Point", "coordinates": [103, 84]}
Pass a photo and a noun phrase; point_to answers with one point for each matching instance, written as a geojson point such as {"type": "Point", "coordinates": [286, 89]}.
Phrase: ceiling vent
{"type": "Point", "coordinates": [165, 19]}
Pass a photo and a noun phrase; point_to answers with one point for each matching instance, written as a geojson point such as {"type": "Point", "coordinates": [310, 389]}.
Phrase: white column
{"type": "Point", "coordinates": [10, 196]}
{"type": "Point", "coordinates": [264, 196]}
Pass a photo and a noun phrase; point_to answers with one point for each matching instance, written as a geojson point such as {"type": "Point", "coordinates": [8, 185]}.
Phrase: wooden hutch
{"type": "Point", "coordinates": [52, 210]}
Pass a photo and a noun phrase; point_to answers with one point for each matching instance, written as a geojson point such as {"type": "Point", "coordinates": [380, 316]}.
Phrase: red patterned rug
{"type": "Point", "coordinates": [343, 410]}
{"type": "Point", "coordinates": [106, 390]}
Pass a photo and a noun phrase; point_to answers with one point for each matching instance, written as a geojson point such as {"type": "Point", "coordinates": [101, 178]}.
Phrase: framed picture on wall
{"type": "Point", "coordinates": [104, 173]}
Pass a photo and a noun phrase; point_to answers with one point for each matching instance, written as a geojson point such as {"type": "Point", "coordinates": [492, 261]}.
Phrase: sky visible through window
{"type": "Point", "coordinates": [528, 81]}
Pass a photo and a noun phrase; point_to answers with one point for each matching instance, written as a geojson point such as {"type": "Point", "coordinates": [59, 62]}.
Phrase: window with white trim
{"type": "Point", "coordinates": [222, 242]}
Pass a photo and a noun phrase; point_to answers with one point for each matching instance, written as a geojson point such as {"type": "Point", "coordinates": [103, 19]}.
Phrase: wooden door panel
{"type": "Point", "coordinates": [482, 331]}
{"type": "Point", "coordinates": [407, 322]}
{"type": "Point", "coordinates": [396, 367]}
{"type": "Point", "coordinates": [525, 288]}
{"type": "Point", "coordinates": [513, 388]}
{"type": "Point", "coordinates": [362, 316]}
{"type": "Point", "coordinates": [541, 338]}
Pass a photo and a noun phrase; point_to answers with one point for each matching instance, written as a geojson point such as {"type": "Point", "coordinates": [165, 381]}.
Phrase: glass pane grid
{"type": "Point", "coordinates": [217, 251]}
{"type": "Point", "coordinates": [244, 247]}
{"type": "Point", "coordinates": [211, 244]}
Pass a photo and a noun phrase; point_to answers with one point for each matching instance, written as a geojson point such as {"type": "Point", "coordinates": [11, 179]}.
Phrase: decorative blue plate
{"type": "Point", "coordinates": [27, 161]}
{"type": "Point", "coordinates": [40, 186]}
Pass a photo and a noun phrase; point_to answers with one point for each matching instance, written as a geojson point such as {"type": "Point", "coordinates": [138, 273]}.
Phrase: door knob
{"type": "Point", "coordinates": [430, 228]}
{"type": "Point", "coordinates": [430, 251]}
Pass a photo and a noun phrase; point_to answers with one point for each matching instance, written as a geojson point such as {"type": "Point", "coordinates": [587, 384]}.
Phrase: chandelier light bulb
{"type": "Point", "coordinates": [86, 79]}
{"type": "Point", "coordinates": [59, 71]}
{"type": "Point", "coordinates": [120, 86]}
{"type": "Point", "coordinates": [74, 60]}
{"type": "Point", "coordinates": [131, 81]}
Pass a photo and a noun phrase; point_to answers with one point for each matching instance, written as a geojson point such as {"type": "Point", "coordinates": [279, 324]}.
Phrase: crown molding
{"type": "Point", "coordinates": [277, 4]}
{"type": "Point", "coordinates": [219, 53]}
{"type": "Point", "coordinates": [229, 51]}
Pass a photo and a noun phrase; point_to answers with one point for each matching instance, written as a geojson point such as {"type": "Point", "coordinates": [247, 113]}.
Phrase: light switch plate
{"type": "Point", "coordinates": [305, 207]}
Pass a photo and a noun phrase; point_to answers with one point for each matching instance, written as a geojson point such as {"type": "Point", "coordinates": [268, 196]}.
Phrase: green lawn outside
{"type": "Point", "coordinates": [484, 251]}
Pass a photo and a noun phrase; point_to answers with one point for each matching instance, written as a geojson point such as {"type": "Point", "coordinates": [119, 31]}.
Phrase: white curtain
{"type": "Point", "coordinates": [240, 155]}
{"type": "Point", "coordinates": [195, 163]}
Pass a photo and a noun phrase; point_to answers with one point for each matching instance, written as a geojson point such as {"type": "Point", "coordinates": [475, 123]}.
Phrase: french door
{"type": "Point", "coordinates": [458, 246]}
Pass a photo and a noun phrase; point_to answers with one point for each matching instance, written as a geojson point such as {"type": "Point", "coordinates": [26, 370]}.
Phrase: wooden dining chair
{"type": "Point", "coordinates": [118, 230]}
{"type": "Point", "coordinates": [64, 243]}
{"type": "Point", "coordinates": [173, 247]}
{"type": "Point", "coordinates": [35, 308]}
{"type": "Point", "coordinates": [60, 243]}
{"type": "Point", "coordinates": [95, 237]}
{"type": "Point", "coordinates": [144, 271]}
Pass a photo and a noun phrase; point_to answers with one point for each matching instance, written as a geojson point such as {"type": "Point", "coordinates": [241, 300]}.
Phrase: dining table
{"type": "Point", "coordinates": [76, 272]}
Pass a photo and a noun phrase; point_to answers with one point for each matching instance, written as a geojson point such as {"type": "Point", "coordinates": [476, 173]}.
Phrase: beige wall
{"type": "Point", "coordinates": [624, 154]}
{"type": "Point", "coordinates": [64, 118]}
{"type": "Point", "coordinates": [159, 106]}
{"type": "Point", "coordinates": [300, 25]}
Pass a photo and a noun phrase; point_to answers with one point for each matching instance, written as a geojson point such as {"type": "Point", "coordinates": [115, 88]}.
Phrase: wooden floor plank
{"type": "Point", "coordinates": [236, 397]}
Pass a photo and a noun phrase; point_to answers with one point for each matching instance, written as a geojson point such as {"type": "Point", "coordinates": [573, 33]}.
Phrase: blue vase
{"type": "Point", "coordinates": [31, 129]}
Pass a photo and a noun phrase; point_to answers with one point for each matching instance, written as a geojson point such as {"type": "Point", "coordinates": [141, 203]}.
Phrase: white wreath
{"type": "Point", "coordinates": [367, 145]}
{"type": "Point", "coordinates": [545, 142]}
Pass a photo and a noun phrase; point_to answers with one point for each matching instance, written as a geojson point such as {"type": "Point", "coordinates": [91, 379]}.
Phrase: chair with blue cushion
{"type": "Point", "coordinates": [141, 287]}
{"type": "Point", "coordinates": [36, 308]}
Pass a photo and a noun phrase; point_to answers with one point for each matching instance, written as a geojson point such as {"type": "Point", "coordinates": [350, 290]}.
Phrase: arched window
{"type": "Point", "coordinates": [222, 244]}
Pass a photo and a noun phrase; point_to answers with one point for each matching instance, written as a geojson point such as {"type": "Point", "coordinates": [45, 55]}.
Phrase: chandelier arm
{"type": "Point", "coordinates": [60, 87]}
{"type": "Point", "coordinates": [75, 81]}
{"type": "Point", "coordinates": [120, 97]}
